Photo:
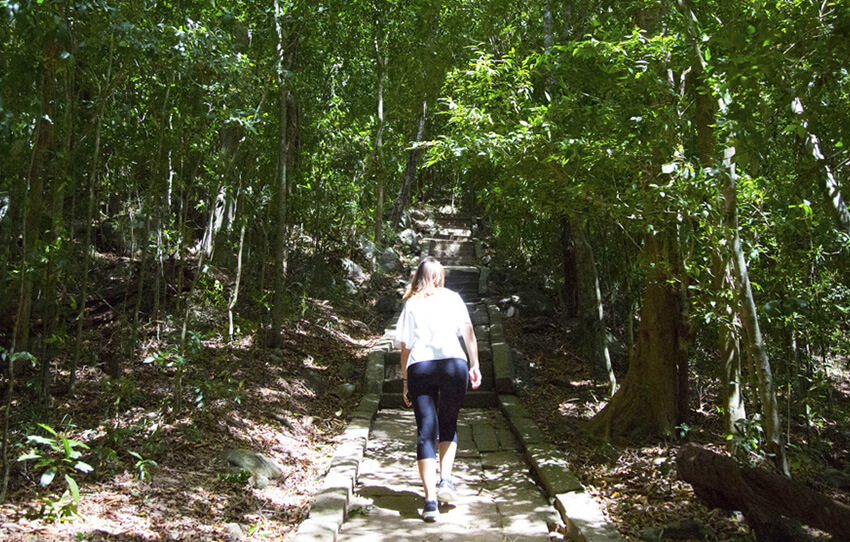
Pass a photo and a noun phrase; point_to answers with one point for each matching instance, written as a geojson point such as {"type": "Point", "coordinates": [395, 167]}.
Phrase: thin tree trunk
{"type": "Point", "coordinates": [140, 289]}
{"type": "Point", "coordinates": [746, 302]}
{"type": "Point", "coordinates": [378, 161]}
{"type": "Point", "coordinates": [749, 318]}
{"type": "Point", "coordinates": [835, 200]}
{"type": "Point", "coordinates": [36, 184]}
{"type": "Point", "coordinates": [280, 240]}
{"type": "Point", "coordinates": [235, 296]}
{"type": "Point", "coordinates": [732, 399]}
{"type": "Point", "coordinates": [409, 170]}
{"type": "Point", "coordinates": [568, 252]}
{"type": "Point", "coordinates": [591, 312]}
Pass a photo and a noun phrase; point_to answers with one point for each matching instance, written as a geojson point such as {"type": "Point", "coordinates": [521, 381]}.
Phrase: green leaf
{"type": "Point", "coordinates": [707, 54]}
{"type": "Point", "coordinates": [75, 489]}
{"type": "Point", "coordinates": [48, 429]}
{"type": "Point", "coordinates": [41, 440]}
{"type": "Point", "coordinates": [27, 457]}
{"type": "Point", "coordinates": [48, 476]}
{"type": "Point", "coordinates": [82, 466]}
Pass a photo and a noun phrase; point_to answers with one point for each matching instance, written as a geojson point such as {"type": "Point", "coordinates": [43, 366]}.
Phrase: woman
{"type": "Point", "coordinates": [435, 372]}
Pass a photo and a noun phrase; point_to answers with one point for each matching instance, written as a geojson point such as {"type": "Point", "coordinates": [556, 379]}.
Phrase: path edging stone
{"type": "Point", "coordinates": [327, 513]}
{"type": "Point", "coordinates": [582, 517]}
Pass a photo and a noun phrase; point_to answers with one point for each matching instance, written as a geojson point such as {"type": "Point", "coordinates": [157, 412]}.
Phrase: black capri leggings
{"type": "Point", "coordinates": [436, 388]}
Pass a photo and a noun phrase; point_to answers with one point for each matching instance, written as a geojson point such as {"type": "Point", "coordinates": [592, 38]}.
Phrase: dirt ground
{"type": "Point", "coordinates": [160, 476]}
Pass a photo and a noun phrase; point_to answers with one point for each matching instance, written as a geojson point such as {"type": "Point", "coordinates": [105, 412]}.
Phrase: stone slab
{"type": "Point", "coordinates": [551, 466]}
{"type": "Point", "coordinates": [584, 520]}
{"type": "Point", "coordinates": [507, 439]}
{"type": "Point", "coordinates": [485, 437]}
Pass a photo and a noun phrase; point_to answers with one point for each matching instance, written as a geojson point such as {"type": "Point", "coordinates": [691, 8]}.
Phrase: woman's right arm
{"type": "Point", "coordinates": [468, 333]}
{"type": "Point", "coordinates": [405, 354]}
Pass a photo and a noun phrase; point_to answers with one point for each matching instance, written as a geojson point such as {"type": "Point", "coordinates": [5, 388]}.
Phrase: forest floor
{"type": "Point", "coordinates": [285, 403]}
{"type": "Point", "coordinates": [288, 404]}
{"type": "Point", "coordinates": [636, 481]}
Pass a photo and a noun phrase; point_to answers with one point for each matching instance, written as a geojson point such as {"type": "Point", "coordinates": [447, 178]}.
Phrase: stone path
{"type": "Point", "coordinates": [512, 485]}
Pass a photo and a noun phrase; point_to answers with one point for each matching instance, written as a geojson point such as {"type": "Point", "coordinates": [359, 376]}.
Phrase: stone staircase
{"type": "Point", "coordinates": [453, 245]}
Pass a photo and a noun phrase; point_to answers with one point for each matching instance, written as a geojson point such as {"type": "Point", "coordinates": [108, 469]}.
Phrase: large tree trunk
{"type": "Point", "coordinates": [648, 403]}
{"type": "Point", "coordinates": [765, 498]}
{"type": "Point", "coordinates": [409, 170]}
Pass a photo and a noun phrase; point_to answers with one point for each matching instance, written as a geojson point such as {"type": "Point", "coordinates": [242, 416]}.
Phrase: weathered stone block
{"type": "Point", "coordinates": [503, 367]}
{"type": "Point", "coordinates": [551, 466]}
{"type": "Point", "coordinates": [584, 519]}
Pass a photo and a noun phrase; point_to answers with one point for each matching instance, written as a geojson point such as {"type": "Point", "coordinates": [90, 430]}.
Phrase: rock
{"type": "Point", "coordinates": [344, 390]}
{"type": "Point", "coordinates": [312, 380]}
{"type": "Point", "coordinates": [409, 238]}
{"type": "Point", "coordinates": [275, 357]}
{"type": "Point", "coordinates": [234, 532]}
{"type": "Point", "coordinates": [262, 468]}
{"type": "Point", "coordinates": [368, 248]}
{"type": "Point", "coordinates": [353, 271]}
{"type": "Point", "coordinates": [387, 261]}
{"type": "Point", "coordinates": [349, 287]}
{"type": "Point", "coordinates": [346, 371]}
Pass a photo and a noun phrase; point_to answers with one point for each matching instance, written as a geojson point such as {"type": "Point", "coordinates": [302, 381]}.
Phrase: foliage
{"type": "Point", "coordinates": [58, 456]}
{"type": "Point", "coordinates": [143, 466]}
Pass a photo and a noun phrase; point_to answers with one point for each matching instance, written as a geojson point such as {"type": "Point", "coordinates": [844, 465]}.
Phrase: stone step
{"type": "Point", "coordinates": [393, 383]}
{"type": "Point", "coordinates": [453, 233]}
{"type": "Point", "coordinates": [454, 221]}
{"type": "Point", "coordinates": [474, 399]}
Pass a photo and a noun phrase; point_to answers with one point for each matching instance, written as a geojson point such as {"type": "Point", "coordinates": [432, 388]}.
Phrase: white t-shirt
{"type": "Point", "coordinates": [430, 326]}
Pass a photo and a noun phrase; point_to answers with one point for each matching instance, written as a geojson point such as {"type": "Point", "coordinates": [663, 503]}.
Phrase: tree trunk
{"type": "Point", "coordinates": [378, 162]}
{"type": "Point", "coordinates": [749, 318]}
{"type": "Point", "coordinates": [43, 149]}
{"type": "Point", "coordinates": [746, 303]}
{"type": "Point", "coordinates": [732, 399]}
{"type": "Point", "coordinates": [409, 170]}
{"type": "Point", "coordinates": [648, 401]}
{"type": "Point", "coordinates": [568, 251]}
{"type": "Point", "coordinates": [594, 336]}
{"type": "Point", "coordinates": [731, 389]}
{"type": "Point", "coordinates": [281, 252]}
{"type": "Point", "coordinates": [762, 496]}
{"type": "Point", "coordinates": [836, 203]}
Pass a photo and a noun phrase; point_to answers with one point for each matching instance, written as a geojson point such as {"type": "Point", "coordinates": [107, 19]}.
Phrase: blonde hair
{"type": "Point", "coordinates": [429, 276]}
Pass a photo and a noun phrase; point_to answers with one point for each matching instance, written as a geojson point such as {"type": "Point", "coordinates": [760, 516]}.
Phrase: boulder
{"type": "Point", "coordinates": [387, 305]}
{"type": "Point", "coordinates": [388, 261]}
{"type": "Point", "coordinates": [344, 390]}
{"type": "Point", "coordinates": [367, 248]}
{"type": "Point", "coordinates": [353, 271]}
{"type": "Point", "coordinates": [262, 468]}
{"type": "Point", "coordinates": [409, 238]}
{"type": "Point", "coordinates": [349, 287]}
{"type": "Point", "coordinates": [346, 371]}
